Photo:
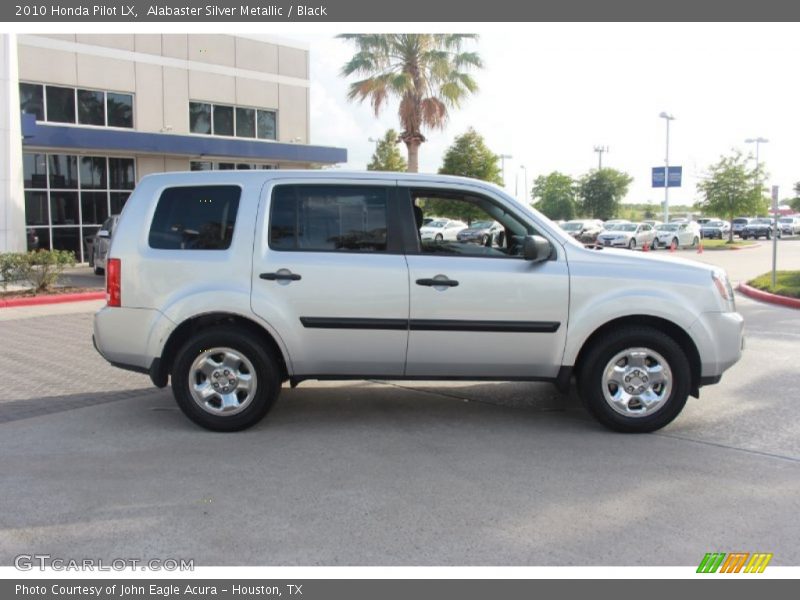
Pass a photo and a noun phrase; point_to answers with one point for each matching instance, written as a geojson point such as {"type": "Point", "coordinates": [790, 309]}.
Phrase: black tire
{"type": "Point", "coordinates": [655, 245]}
{"type": "Point", "coordinates": [632, 244]}
{"type": "Point", "coordinates": [675, 243]}
{"type": "Point", "coordinates": [267, 371]}
{"type": "Point", "coordinates": [99, 271]}
{"type": "Point", "coordinates": [695, 242]}
{"type": "Point", "coordinates": [593, 364]}
{"type": "Point", "coordinates": [768, 236]}
{"type": "Point", "coordinates": [439, 237]}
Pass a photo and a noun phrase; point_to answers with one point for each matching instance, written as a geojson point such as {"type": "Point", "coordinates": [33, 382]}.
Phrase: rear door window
{"type": "Point", "coordinates": [329, 218]}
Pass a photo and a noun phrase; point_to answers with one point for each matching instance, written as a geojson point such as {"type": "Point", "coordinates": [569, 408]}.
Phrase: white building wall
{"type": "Point", "coordinates": [12, 197]}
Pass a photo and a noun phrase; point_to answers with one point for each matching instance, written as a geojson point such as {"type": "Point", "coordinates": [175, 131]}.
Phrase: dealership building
{"type": "Point", "coordinates": [95, 113]}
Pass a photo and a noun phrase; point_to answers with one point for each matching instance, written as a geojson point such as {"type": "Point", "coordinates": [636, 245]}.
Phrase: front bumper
{"type": "Point", "coordinates": [720, 341]}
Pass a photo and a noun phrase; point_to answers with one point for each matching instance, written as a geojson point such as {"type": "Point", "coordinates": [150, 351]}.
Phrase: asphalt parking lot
{"type": "Point", "coordinates": [97, 463]}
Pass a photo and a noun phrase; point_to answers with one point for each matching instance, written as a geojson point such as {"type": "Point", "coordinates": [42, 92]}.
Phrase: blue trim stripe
{"type": "Point", "coordinates": [41, 135]}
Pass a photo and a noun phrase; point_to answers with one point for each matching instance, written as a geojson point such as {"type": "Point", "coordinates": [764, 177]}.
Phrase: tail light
{"type": "Point", "coordinates": [114, 282]}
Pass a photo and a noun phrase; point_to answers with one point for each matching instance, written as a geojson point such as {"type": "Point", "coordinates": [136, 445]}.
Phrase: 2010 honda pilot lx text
{"type": "Point", "coordinates": [230, 283]}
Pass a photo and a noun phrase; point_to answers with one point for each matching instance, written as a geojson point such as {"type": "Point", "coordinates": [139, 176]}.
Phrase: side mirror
{"type": "Point", "coordinates": [536, 249]}
{"type": "Point", "coordinates": [103, 233]}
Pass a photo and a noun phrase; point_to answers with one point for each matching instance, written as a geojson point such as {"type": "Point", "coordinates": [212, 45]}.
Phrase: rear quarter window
{"type": "Point", "coordinates": [195, 218]}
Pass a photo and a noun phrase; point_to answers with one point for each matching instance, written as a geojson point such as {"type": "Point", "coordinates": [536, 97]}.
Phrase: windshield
{"type": "Point", "coordinates": [714, 224]}
{"type": "Point", "coordinates": [787, 220]}
{"type": "Point", "coordinates": [667, 227]}
{"type": "Point", "coordinates": [436, 224]}
{"type": "Point", "coordinates": [626, 227]}
{"type": "Point", "coordinates": [481, 225]}
{"type": "Point", "coordinates": [762, 221]}
{"type": "Point", "coordinates": [740, 221]}
{"type": "Point", "coordinates": [572, 226]}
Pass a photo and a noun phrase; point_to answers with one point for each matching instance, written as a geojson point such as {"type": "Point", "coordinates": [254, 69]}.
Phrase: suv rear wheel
{"type": "Point", "coordinates": [224, 379]}
{"type": "Point", "coordinates": [635, 380]}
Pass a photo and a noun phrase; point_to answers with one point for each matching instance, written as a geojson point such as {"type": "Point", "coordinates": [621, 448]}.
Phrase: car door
{"type": "Point", "coordinates": [482, 311]}
{"type": "Point", "coordinates": [330, 277]}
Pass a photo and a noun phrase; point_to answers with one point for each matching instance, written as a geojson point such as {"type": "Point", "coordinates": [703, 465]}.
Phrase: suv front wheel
{"type": "Point", "coordinates": [636, 380]}
{"type": "Point", "coordinates": [225, 380]}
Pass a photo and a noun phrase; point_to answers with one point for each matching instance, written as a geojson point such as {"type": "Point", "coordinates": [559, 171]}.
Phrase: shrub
{"type": "Point", "coordinates": [44, 267]}
{"type": "Point", "coordinates": [41, 269]}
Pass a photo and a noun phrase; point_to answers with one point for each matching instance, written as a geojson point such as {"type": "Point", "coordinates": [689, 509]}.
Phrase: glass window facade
{"type": "Point", "coordinates": [67, 198]}
{"type": "Point", "coordinates": [239, 121]}
{"type": "Point", "coordinates": [57, 104]}
{"type": "Point", "coordinates": [207, 165]}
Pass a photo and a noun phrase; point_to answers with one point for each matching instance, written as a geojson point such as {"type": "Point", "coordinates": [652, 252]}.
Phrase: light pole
{"type": "Point", "coordinates": [600, 150]}
{"type": "Point", "coordinates": [525, 189]}
{"type": "Point", "coordinates": [757, 141]}
{"type": "Point", "coordinates": [667, 117]}
{"type": "Point", "coordinates": [503, 158]}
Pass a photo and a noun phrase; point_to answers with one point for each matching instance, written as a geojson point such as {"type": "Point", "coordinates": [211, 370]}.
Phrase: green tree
{"type": "Point", "coordinates": [795, 202]}
{"type": "Point", "coordinates": [554, 195]}
{"type": "Point", "coordinates": [428, 73]}
{"type": "Point", "coordinates": [729, 189]}
{"type": "Point", "coordinates": [386, 156]}
{"type": "Point", "coordinates": [468, 156]}
{"type": "Point", "coordinates": [601, 191]}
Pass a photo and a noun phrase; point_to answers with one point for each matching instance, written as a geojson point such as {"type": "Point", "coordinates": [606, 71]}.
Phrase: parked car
{"type": "Point", "coordinates": [228, 283]}
{"type": "Point", "coordinates": [31, 239]}
{"type": "Point", "coordinates": [789, 225]}
{"type": "Point", "coordinates": [101, 243]}
{"type": "Point", "coordinates": [738, 224]}
{"type": "Point", "coordinates": [652, 222]}
{"type": "Point", "coordinates": [628, 235]}
{"type": "Point", "coordinates": [480, 232]}
{"type": "Point", "coordinates": [680, 234]}
{"type": "Point", "coordinates": [584, 230]}
{"type": "Point", "coordinates": [761, 227]}
{"type": "Point", "coordinates": [441, 229]}
{"type": "Point", "coordinates": [715, 229]}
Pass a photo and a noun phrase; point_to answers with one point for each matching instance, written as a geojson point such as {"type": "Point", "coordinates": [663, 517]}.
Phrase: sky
{"type": "Point", "coordinates": [550, 93]}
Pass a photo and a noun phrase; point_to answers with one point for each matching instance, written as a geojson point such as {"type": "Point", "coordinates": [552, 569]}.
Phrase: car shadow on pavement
{"type": "Point", "coordinates": [14, 410]}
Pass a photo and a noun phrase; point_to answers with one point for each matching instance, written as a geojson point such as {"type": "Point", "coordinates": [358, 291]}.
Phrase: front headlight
{"type": "Point", "coordinates": [723, 285]}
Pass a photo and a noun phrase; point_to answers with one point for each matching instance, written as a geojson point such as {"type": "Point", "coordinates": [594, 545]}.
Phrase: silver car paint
{"type": "Point", "coordinates": [583, 288]}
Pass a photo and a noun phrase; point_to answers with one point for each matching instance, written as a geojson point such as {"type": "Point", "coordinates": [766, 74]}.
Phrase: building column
{"type": "Point", "coordinates": [12, 195]}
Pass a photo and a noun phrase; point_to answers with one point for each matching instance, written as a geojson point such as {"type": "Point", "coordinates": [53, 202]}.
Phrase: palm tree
{"type": "Point", "coordinates": [427, 72]}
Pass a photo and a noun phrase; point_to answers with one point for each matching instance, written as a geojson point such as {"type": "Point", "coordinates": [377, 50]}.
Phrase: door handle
{"type": "Point", "coordinates": [280, 276]}
{"type": "Point", "coordinates": [444, 282]}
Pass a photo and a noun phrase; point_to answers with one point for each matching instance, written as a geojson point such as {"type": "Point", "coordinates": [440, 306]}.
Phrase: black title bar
{"type": "Point", "coordinates": [436, 11]}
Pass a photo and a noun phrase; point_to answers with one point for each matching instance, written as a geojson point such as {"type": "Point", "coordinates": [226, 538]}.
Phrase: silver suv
{"type": "Point", "coordinates": [230, 283]}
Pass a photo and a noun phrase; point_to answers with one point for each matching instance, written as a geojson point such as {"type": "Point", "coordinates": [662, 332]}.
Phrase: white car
{"type": "Point", "coordinates": [229, 283]}
{"type": "Point", "coordinates": [627, 235]}
{"type": "Point", "coordinates": [441, 229]}
{"type": "Point", "coordinates": [789, 225]}
{"type": "Point", "coordinates": [678, 233]}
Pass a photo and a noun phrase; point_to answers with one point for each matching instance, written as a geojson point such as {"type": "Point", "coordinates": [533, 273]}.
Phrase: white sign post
{"type": "Point", "coordinates": [774, 234]}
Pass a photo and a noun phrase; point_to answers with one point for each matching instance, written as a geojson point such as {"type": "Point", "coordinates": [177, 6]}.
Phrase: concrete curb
{"type": "Point", "coordinates": [54, 299]}
{"type": "Point", "coordinates": [757, 294]}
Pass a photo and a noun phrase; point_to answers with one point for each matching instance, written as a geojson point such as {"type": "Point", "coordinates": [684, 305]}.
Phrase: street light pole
{"type": "Point", "coordinates": [757, 141]}
{"type": "Point", "coordinates": [525, 189]}
{"type": "Point", "coordinates": [667, 117]}
{"type": "Point", "coordinates": [503, 158]}
{"type": "Point", "coordinates": [600, 150]}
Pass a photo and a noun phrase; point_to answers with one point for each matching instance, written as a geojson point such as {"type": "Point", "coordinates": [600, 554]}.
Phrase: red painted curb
{"type": "Point", "coordinates": [768, 297]}
{"type": "Point", "coordinates": [54, 299]}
